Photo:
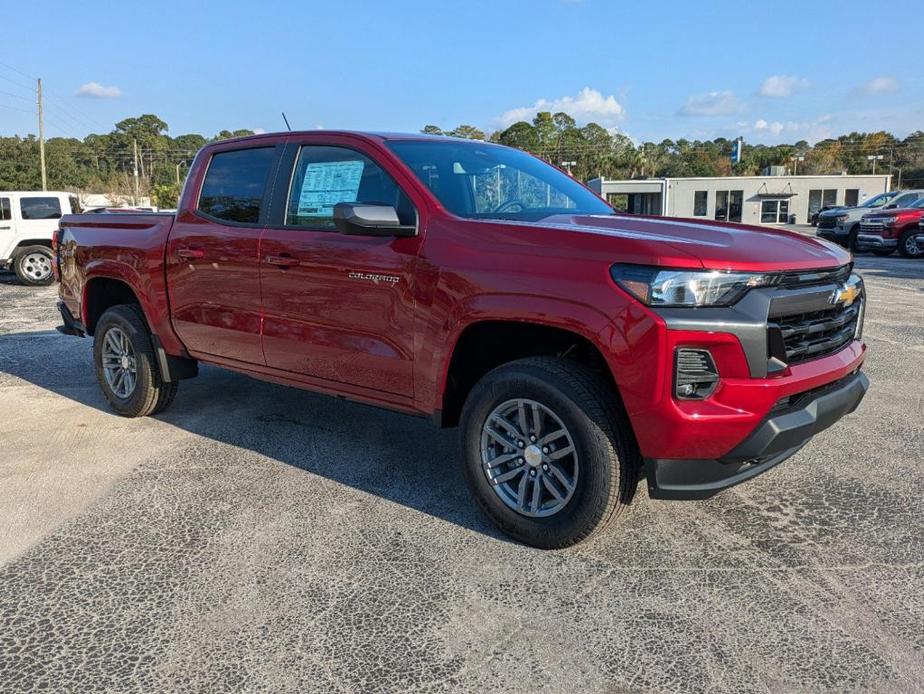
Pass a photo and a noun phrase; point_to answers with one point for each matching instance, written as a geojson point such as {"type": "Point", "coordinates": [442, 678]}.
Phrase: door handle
{"type": "Point", "coordinates": [282, 261]}
{"type": "Point", "coordinates": [190, 253]}
{"type": "Point", "coordinates": [5, 227]}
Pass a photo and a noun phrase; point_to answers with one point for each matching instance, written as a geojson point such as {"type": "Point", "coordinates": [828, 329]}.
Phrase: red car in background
{"type": "Point", "coordinates": [884, 231]}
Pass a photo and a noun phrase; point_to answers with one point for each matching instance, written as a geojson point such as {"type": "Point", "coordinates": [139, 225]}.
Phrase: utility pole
{"type": "Point", "coordinates": [135, 172]}
{"type": "Point", "coordinates": [41, 124]}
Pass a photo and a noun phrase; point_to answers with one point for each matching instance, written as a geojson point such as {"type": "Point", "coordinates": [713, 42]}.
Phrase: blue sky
{"type": "Point", "coordinates": [772, 72]}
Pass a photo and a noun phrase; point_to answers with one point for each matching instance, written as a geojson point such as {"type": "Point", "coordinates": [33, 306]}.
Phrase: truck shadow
{"type": "Point", "coordinates": [403, 459]}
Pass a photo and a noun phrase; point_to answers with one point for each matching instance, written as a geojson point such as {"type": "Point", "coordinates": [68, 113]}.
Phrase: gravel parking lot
{"type": "Point", "coordinates": [255, 537]}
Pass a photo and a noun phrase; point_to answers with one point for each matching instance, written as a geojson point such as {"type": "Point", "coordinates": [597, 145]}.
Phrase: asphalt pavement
{"type": "Point", "coordinates": [260, 538]}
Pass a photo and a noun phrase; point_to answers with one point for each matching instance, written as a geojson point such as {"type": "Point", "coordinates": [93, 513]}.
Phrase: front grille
{"type": "Point", "coordinates": [817, 333]}
{"type": "Point", "coordinates": [872, 227]}
{"type": "Point", "coordinates": [827, 222]}
{"type": "Point", "coordinates": [808, 278]}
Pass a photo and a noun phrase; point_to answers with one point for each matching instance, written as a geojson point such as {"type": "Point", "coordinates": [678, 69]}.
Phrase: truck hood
{"type": "Point", "coordinates": [891, 214]}
{"type": "Point", "coordinates": [668, 241]}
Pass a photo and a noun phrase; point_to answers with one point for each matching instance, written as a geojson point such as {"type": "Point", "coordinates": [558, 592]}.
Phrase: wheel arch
{"type": "Point", "coordinates": [101, 293]}
{"type": "Point", "coordinates": [24, 243]}
{"type": "Point", "coordinates": [486, 343]}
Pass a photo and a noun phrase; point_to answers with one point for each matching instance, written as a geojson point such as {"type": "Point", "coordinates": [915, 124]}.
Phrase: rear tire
{"type": "Point", "coordinates": [907, 248]}
{"type": "Point", "coordinates": [126, 365]}
{"type": "Point", "coordinates": [603, 467]}
{"type": "Point", "coordinates": [32, 266]}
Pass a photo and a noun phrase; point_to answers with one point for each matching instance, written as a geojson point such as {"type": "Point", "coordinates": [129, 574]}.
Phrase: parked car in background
{"type": "Point", "coordinates": [27, 222]}
{"type": "Point", "coordinates": [889, 229]}
{"type": "Point", "coordinates": [827, 208]}
{"type": "Point", "coordinates": [476, 285]}
{"type": "Point", "coordinates": [842, 225]}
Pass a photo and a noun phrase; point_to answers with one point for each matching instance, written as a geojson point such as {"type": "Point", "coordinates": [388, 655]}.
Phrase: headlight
{"type": "Point", "coordinates": [841, 218]}
{"type": "Point", "coordinates": [659, 287]}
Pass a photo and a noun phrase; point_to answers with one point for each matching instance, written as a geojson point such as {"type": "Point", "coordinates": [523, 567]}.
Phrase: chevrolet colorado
{"type": "Point", "coordinates": [479, 286]}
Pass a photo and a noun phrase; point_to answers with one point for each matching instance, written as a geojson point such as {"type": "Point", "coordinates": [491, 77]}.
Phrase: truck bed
{"type": "Point", "coordinates": [113, 248]}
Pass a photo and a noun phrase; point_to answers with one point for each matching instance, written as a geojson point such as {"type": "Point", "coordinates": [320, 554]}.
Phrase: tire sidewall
{"type": "Point", "coordinates": [596, 483]}
{"type": "Point", "coordinates": [120, 317]}
{"type": "Point", "coordinates": [20, 273]}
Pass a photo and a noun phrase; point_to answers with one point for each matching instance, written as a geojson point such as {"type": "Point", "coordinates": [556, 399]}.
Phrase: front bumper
{"type": "Point", "coordinates": [874, 241]}
{"type": "Point", "coordinates": [838, 234]}
{"type": "Point", "coordinates": [774, 440]}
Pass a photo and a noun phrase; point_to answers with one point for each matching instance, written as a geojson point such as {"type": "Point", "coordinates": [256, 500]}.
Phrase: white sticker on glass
{"type": "Point", "coordinates": [325, 184]}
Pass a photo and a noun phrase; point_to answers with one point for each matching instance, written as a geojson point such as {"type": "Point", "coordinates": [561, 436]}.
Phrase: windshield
{"type": "Point", "coordinates": [482, 181]}
{"type": "Point", "coordinates": [878, 200]}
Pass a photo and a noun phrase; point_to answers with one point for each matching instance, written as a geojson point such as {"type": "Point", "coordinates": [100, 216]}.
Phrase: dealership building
{"type": "Point", "coordinates": [748, 199]}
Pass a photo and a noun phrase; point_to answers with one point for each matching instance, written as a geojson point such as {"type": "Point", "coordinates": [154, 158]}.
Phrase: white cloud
{"type": "Point", "coordinates": [97, 91]}
{"type": "Point", "coordinates": [879, 85]}
{"type": "Point", "coordinates": [712, 104]}
{"type": "Point", "coordinates": [779, 86]}
{"type": "Point", "coordinates": [763, 129]}
{"type": "Point", "coordinates": [775, 127]}
{"type": "Point", "coordinates": [258, 131]}
{"type": "Point", "coordinates": [589, 104]}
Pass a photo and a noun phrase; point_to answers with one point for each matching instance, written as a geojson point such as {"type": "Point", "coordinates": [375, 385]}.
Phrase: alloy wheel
{"type": "Point", "coordinates": [119, 365]}
{"type": "Point", "coordinates": [529, 458]}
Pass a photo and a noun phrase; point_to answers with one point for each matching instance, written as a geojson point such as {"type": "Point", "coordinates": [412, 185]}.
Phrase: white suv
{"type": "Point", "coordinates": [27, 221]}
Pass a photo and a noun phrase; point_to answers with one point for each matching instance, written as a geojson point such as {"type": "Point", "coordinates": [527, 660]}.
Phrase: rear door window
{"type": "Point", "coordinates": [40, 208]}
{"type": "Point", "coordinates": [6, 211]}
{"type": "Point", "coordinates": [235, 183]}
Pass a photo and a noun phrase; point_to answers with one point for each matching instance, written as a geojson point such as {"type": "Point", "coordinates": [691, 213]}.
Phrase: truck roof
{"type": "Point", "coordinates": [369, 135]}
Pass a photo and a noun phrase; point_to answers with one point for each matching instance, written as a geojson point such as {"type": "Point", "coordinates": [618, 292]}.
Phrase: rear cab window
{"type": "Point", "coordinates": [39, 208]}
{"type": "Point", "coordinates": [326, 175]}
{"type": "Point", "coordinates": [235, 183]}
{"type": "Point", "coordinates": [6, 212]}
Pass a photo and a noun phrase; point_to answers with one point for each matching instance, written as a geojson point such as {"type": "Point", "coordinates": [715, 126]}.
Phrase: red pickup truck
{"type": "Point", "coordinates": [885, 230]}
{"type": "Point", "coordinates": [478, 286]}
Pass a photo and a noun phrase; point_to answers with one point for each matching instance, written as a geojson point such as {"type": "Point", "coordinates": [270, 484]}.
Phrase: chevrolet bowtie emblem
{"type": "Point", "coordinates": [845, 294]}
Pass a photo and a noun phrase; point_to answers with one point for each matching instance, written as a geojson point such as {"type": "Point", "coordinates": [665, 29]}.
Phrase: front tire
{"type": "Point", "coordinates": [32, 266]}
{"type": "Point", "coordinates": [126, 365]}
{"type": "Point", "coordinates": [907, 248]}
{"type": "Point", "coordinates": [548, 451]}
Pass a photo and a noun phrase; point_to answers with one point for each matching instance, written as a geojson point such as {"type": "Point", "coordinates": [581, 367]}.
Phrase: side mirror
{"type": "Point", "coordinates": [361, 219]}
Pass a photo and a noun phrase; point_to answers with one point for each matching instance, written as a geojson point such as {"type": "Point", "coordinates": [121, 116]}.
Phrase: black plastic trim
{"type": "Point", "coordinates": [796, 426]}
{"type": "Point", "coordinates": [71, 326]}
{"type": "Point", "coordinates": [173, 368]}
{"type": "Point", "coordinates": [774, 440]}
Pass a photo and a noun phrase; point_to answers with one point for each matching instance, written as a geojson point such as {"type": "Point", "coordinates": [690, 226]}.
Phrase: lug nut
{"type": "Point", "coordinates": [533, 438]}
{"type": "Point", "coordinates": [545, 449]}
{"type": "Point", "coordinates": [532, 473]}
{"type": "Point", "coordinates": [520, 444]}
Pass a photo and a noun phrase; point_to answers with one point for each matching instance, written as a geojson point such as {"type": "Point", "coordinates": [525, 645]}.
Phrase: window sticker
{"type": "Point", "coordinates": [325, 184]}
